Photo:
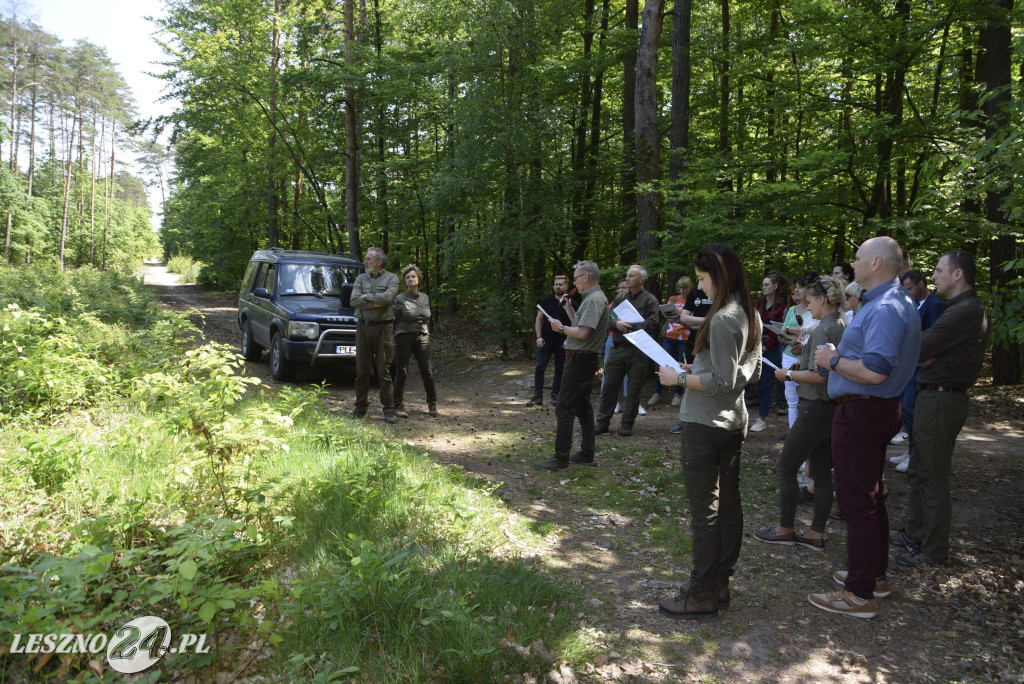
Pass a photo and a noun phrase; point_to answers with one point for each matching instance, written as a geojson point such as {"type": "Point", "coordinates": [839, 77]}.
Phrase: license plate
{"type": "Point", "coordinates": [346, 350]}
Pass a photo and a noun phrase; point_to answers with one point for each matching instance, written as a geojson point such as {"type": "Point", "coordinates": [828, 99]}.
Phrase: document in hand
{"type": "Point", "coordinates": [652, 350]}
{"type": "Point", "coordinates": [627, 312]}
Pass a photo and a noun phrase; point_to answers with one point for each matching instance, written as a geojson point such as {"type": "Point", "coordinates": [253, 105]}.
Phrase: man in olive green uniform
{"type": "Point", "coordinates": [952, 351]}
{"type": "Point", "coordinates": [626, 360]}
{"type": "Point", "coordinates": [584, 343]}
{"type": "Point", "coordinates": [373, 294]}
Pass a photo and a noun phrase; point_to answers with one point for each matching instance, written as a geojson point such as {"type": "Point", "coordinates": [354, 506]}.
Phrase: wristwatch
{"type": "Point", "coordinates": [833, 362]}
{"type": "Point", "coordinates": [681, 378]}
{"type": "Point", "coordinates": [789, 376]}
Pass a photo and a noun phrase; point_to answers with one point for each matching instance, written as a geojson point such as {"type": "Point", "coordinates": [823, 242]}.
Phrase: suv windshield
{"type": "Point", "coordinates": [315, 279]}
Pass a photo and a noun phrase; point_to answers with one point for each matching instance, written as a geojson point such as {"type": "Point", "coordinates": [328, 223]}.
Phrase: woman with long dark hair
{"type": "Point", "coordinates": [771, 307]}
{"type": "Point", "coordinates": [727, 356]}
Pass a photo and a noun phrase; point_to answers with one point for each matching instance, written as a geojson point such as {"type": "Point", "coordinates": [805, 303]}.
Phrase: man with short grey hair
{"type": "Point", "coordinates": [373, 294]}
{"type": "Point", "coordinates": [625, 359]}
{"type": "Point", "coordinates": [584, 341]}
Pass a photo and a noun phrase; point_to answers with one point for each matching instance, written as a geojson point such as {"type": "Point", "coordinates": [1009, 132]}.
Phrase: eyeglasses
{"type": "Point", "coordinates": [576, 277]}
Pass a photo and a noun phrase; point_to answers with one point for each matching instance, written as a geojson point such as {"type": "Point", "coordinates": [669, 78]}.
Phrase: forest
{"type": "Point", "coordinates": [64, 196]}
{"type": "Point", "coordinates": [496, 142]}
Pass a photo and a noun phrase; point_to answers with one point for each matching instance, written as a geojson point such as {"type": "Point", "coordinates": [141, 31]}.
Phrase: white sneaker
{"type": "Point", "coordinates": [904, 465]}
{"type": "Point", "coordinates": [758, 425]}
{"type": "Point", "coordinates": [618, 409]}
{"type": "Point", "coordinates": [900, 438]}
{"type": "Point", "coordinates": [677, 399]}
{"type": "Point", "coordinates": [640, 411]}
{"type": "Point", "coordinates": [802, 479]}
{"type": "Point", "coordinates": [897, 458]}
{"type": "Point", "coordinates": [653, 401]}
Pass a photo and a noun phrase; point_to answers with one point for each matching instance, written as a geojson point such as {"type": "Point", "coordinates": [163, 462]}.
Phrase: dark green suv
{"type": "Point", "coordinates": [296, 305]}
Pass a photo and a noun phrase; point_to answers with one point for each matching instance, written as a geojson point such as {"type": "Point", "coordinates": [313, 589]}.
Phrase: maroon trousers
{"type": "Point", "coordinates": [861, 430]}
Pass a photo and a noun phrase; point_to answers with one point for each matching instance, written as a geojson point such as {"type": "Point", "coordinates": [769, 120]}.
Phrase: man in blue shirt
{"type": "Point", "coordinates": [867, 374]}
{"type": "Point", "coordinates": [930, 307]}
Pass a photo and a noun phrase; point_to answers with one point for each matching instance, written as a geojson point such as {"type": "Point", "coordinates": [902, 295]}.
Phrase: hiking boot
{"type": "Point", "coordinates": [357, 413]}
{"type": "Point", "coordinates": [882, 586]}
{"type": "Point", "coordinates": [580, 459]}
{"type": "Point", "coordinates": [724, 596]}
{"type": "Point", "coordinates": [844, 603]}
{"type": "Point", "coordinates": [601, 428]}
{"type": "Point", "coordinates": [686, 604]}
{"type": "Point", "coordinates": [915, 558]}
{"type": "Point", "coordinates": [536, 401]}
{"type": "Point", "coordinates": [401, 412]}
{"type": "Point", "coordinates": [432, 409]}
{"type": "Point", "coordinates": [899, 539]}
{"type": "Point", "coordinates": [390, 417]}
{"type": "Point", "coordinates": [625, 431]}
{"type": "Point", "coordinates": [552, 464]}
{"type": "Point", "coordinates": [768, 535]}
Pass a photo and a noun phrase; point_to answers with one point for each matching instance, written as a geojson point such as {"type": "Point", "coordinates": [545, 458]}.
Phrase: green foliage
{"type": "Point", "coordinates": [188, 267]}
{"type": "Point", "coordinates": [177, 487]}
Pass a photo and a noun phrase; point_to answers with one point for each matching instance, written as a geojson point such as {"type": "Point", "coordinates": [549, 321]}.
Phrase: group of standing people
{"type": "Point", "coordinates": [391, 329]}
{"type": "Point", "coordinates": [849, 375]}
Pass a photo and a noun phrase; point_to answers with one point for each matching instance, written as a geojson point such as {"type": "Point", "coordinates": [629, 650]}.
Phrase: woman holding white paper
{"type": "Point", "coordinates": [727, 356]}
{"type": "Point", "coordinates": [810, 437]}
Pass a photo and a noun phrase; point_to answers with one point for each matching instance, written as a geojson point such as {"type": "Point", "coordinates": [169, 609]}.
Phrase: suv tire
{"type": "Point", "coordinates": [281, 369]}
{"type": "Point", "coordinates": [250, 350]}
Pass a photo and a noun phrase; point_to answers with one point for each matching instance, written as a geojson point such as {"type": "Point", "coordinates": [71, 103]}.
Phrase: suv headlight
{"type": "Point", "coordinates": [306, 329]}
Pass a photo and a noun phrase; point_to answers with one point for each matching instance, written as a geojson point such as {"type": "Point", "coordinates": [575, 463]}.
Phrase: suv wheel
{"type": "Point", "coordinates": [250, 350]}
{"type": "Point", "coordinates": [281, 369]}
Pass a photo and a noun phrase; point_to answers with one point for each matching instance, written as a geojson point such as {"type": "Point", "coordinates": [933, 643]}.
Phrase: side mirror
{"type": "Point", "coordinates": [261, 292]}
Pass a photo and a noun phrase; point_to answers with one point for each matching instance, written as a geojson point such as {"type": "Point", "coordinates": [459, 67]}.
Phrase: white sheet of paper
{"type": "Point", "coordinates": [627, 312]}
{"type": "Point", "coordinates": [652, 350]}
{"type": "Point", "coordinates": [545, 313]}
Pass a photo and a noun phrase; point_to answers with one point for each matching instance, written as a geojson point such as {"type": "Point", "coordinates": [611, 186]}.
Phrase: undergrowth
{"type": "Point", "coordinates": [142, 477]}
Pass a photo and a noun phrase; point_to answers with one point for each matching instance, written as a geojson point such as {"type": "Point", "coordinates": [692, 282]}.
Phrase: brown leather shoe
{"type": "Point", "coordinates": [702, 606]}
{"type": "Point", "coordinates": [768, 535]}
{"type": "Point", "coordinates": [814, 544]}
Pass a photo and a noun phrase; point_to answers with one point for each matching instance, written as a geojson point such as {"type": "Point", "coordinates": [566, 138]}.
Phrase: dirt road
{"type": "Point", "coordinates": [963, 623]}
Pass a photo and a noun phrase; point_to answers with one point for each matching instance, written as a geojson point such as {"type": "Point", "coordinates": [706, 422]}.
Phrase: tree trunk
{"type": "Point", "coordinates": [648, 144]}
{"type": "Point", "coordinates": [110, 196]}
{"type": "Point", "coordinates": [581, 219]}
{"type": "Point", "coordinates": [92, 189]}
{"type": "Point", "coordinates": [997, 46]}
{"type": "Point", "coordinates": [272, 199]}
{"type": "Point", "coordinates": [351, 144]}
{"type": "Point", "coordinates": [726, 92]}
{"type": "Point", "coordinates": [628, 236]}
{"type": "Point", "coordinates": [67, 195]}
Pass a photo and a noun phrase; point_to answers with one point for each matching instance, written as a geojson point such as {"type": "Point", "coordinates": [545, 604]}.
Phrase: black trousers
{"type": "Point", "coordinates": [574, 404]}
{"type": "Point", "coordinates": [375, 349]}
{"type": "Point", "coordinates": [409, 345]}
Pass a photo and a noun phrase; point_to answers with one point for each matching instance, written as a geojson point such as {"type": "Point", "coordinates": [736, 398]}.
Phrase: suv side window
{"type": "Point", "coordinates": [265, 277]}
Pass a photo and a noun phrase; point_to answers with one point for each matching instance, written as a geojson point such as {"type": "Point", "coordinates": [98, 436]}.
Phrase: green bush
{"type": "Point", "coordinates": [112, 297]}
{"type": "Point", "coordinates": [189, 269]}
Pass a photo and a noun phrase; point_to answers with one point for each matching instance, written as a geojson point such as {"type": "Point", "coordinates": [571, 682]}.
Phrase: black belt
{"type": "Point", "coordinates": [570, 352]}
{"type": "Point", "coordinates": [927, 387]}
{"type": "Point", "coordinates": [362, 322]}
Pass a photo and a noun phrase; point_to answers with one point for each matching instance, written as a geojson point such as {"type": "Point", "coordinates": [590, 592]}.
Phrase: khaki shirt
{"type": "Point", "coordinates": [830, 329]}
{"type": "Point", "coordinates": [724, 367]}
{"type": "Point", "coordinates": [593, 313]}
{"type": "Point", "coordinates": [412, 313]}
{"type": "Point", "coordinates": [372, 296]}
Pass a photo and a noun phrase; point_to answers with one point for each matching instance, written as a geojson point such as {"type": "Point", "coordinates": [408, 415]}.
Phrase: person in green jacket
{"type": "Point", "coordinates": [412, 339]}
{"type": "Point", "coordinates": [727, 356]}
